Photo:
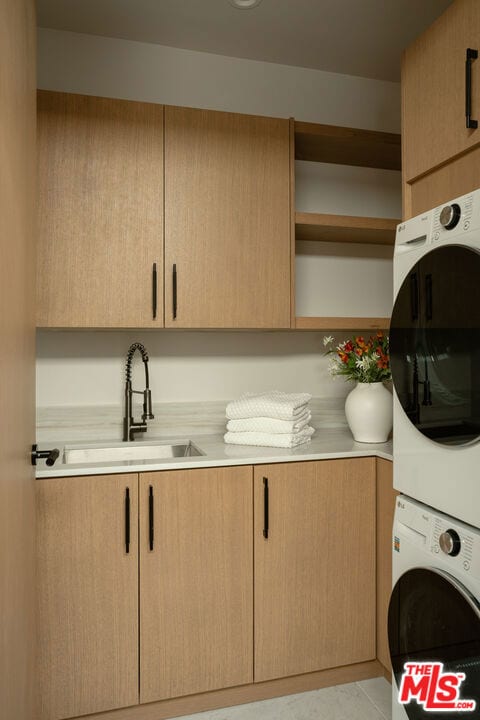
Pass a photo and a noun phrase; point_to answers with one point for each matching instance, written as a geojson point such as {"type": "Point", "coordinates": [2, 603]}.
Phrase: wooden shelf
{"type": "Point", "coordinates": [347, 146]}
{"type": "Point", "coordinates": [345, 229]}
{"type": "Point", "coordinates": [341, 323]}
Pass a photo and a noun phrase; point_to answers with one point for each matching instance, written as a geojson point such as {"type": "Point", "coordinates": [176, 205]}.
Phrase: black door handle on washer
{"type": "Point", "coordinates": [414, 296]}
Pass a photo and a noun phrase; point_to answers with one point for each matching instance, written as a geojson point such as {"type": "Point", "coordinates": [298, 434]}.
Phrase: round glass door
{"type": "Point", "coordinates": [434, 618]}
{"type": "Point", "coordinates": [435, 345]}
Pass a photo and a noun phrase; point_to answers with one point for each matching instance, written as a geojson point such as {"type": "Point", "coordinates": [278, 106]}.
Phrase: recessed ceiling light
{"type": "Point", "coordinates": [245, 4]}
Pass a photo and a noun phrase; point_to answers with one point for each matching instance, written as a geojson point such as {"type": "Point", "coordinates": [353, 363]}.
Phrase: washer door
{"type": "Point", "coordinates": [435, 345]}
{"type": "Point", "coordinates": [433, 617]}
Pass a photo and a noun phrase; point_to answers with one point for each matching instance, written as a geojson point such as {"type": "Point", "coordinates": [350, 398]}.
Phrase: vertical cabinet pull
{"type": "Point", "coordinates": [470, 56]}
{"type": "Point", "coordinates": [428, 297]}
{"type": "Point", "coordinates": [265, 508]}
{"type": "Point", "coordinates": [127, 520]}
{"type": "Point", "coordinates": [150, 518]}
{"type": "Point", "coordinates": [414, 296]}
{"type": "Point", "coordinates": [154, 291]}
{"type": "Point", "coordinates": [174, 291]}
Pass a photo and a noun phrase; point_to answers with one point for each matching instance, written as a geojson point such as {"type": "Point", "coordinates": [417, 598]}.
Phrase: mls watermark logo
{"type": "Point", "coordinates": [436, 690]}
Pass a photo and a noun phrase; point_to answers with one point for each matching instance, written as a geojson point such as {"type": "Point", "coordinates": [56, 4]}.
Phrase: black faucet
{"type": "Point", "coordinates": [130, 427]}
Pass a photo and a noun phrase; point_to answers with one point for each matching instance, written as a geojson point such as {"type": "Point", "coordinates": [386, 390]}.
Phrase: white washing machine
{"type": "Point", "coordinates": [434, 613]}
{"type": "Point", "coordinates": [435, 358]}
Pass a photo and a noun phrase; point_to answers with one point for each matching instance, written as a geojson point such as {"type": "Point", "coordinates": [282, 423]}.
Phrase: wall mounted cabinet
{"type": "Point", "coordinates": [440, 153]}
{"type": "Point", "coordinates": [126, 186]}
{"type": "Point", "coordinates": [100, 212]}
{"type": "Point", "coordinates": [101, 216]}
{"type": "Point", "coordinates": [227, 220]}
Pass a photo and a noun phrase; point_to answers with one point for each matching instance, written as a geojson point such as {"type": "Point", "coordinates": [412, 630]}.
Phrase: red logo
{"type": "Point", "coordinates": [430, 686]}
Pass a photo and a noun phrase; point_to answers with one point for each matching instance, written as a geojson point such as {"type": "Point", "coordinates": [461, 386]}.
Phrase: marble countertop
{"type": "Point", "coordinates": [327, 443]}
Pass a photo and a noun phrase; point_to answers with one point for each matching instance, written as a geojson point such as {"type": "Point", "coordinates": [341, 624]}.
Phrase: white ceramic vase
{"type": "Point", "coordinates": [369, 412]}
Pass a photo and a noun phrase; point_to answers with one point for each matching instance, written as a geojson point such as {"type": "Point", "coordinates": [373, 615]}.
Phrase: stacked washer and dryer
{"type": "Point", "coordinates": [434, 613]}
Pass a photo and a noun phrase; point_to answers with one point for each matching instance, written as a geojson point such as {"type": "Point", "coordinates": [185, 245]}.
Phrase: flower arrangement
{"type": "Point", "coordinates": [360, 360]}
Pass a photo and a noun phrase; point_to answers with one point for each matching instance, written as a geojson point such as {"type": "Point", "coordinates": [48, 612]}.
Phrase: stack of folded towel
{"type": "Point", "coordinates": [273, 419]}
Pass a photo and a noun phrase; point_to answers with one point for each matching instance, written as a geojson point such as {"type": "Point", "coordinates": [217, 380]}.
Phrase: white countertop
{"type": "Point", "coordinates": [327, 443]}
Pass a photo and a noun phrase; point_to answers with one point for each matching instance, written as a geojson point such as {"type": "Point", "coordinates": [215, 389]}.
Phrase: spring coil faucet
{"type": "Point", "coordinates": [130, 427]}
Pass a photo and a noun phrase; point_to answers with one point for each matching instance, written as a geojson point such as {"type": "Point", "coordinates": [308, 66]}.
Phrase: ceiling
{"type": "Point", "coordinates": [356, 37]}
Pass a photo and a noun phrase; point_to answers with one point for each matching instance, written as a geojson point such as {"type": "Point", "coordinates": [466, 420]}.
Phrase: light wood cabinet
{"type": "Point", "coordinates": [196, 579]}
{"type": "Point", "coordinates": [87, 595]}
{"type": "Point", "coordinates": [203, 601]}
{"type": "Point", "coordinates": [386, 496]}
{"type": "Point", "coordinates": [434, 132]}
{"type": "Point", "coordinates": [100, 212]}
{"type": "Point", "coordinates": [315, 572]}
{"type": "Point", "coordinates": [227, 220]}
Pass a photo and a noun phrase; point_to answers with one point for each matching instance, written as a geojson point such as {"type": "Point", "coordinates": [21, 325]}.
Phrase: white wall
{"type": "Point", "coordinates": [87, 368]}
{"type": "Point", "coordinates": [141, 71]}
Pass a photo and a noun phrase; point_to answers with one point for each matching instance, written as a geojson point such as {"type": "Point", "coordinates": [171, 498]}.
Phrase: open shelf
{"type": "Point", "coordinates": [341, 323]}
{"type": "Point", "coordinates": [347, 146]}
{"type": "Point", "coordinates": [345, 229]}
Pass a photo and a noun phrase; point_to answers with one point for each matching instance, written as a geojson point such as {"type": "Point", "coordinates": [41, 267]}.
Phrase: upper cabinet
{"type": "Point", "coordinates": [101, 216]}
{"type": "Point", "coordinates": [227, 220]}
{"type": "Point", "coordinates": [440, 81]}
{"type": "Point", "coordinates": [100, 219]}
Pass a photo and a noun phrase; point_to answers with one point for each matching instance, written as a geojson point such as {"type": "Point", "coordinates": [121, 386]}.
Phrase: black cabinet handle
{"type": "Point", "coordinates": [154, 291]}
{"type": "Point", "coordinates": [150, 518]}
{"type": "Point", "coordinates": [174, 290]}
{"type": "Point", "coordinates": [50, 456]}
{"type": "Point", "coordinates": [470, 56]}
{"type": "Point", "coordinates": [265, 508]}
{"type": "Point", "coordinates": [428, 297]}
{"type": "Point", "coordinates": [127, 520]}
{"type": "Point", "coordinates": [414, 296]}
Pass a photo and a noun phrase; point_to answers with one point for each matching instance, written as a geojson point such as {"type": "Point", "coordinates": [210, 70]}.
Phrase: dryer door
{"type": "Point", "coordinates": [435, 345]}
{"type": "Point", "coordinates": [433, 617]}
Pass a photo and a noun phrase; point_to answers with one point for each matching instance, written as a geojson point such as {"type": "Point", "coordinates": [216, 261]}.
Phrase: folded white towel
{"type": "Point", "coordinates": [273, 404]}
{"type": "Point", "coordinates": [269, 425]}
{"type": "Point", "coordinates": [285, 440]}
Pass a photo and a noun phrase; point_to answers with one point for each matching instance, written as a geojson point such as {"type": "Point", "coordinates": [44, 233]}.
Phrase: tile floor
{"type": "Point", "coordinates": [365, 700]}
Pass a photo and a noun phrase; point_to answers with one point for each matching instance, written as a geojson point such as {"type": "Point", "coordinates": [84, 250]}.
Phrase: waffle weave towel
{"type": "Point", "coordinates": [285, 440]}
{"type": "Point", "coordinates": [273, 404]}
{"type": "Point", "coordinates": [269, 425]}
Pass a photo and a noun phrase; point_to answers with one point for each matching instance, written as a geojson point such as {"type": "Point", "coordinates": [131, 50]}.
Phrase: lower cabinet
{"type": "Point", "coordinates": [202, 579]}
{"type": "Point", "coordinates": [87, 595]}
{"type": "Point", "coordinates": [315, 572]}
{"type": "Point", "coordinates": [386, 497]}
{"type": "Point", "coordinates": [196, 577]}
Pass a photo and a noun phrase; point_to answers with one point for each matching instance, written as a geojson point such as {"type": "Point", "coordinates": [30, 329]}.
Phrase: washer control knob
{"type": "Point", "coordinates": [450, 542]}
{"type": "Point", "coordinates": [450, 216]}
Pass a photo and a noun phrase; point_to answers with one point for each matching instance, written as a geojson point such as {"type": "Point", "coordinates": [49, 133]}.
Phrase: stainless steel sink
{"type": "Point", "coordinates": [129, 451]}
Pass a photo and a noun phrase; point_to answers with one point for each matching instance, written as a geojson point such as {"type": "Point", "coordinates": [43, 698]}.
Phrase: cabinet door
{"type": "Point", "coordinates": [87, 595]}
{"type": "Point", "coordinates": [196, 582]}
{"type": "Point", "coordinates": [433, 90]}
{"type": "Point", "coordinates": [100, 226]}
{"type": "Point", "coordinates": [315, 573]}
{"type": "Point", "coordinates": [386, 496]}
{"type": "Point", "coordinates": [227, 220]}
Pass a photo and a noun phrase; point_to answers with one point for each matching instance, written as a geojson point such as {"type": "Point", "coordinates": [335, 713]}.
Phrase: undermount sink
{"type": "Point", "coordinates": [129, 451]}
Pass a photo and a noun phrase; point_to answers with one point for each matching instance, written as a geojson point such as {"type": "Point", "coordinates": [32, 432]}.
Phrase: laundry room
{"type": "Point", "coordinates": [241, 377]}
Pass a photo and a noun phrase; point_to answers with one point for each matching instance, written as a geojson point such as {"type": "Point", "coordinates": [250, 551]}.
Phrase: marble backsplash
{"type": "Point", "coordinates": [105, 422]}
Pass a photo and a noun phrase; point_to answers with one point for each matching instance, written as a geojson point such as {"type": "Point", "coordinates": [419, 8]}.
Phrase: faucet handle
{"type": "Point", "coordinates": [147, 405]}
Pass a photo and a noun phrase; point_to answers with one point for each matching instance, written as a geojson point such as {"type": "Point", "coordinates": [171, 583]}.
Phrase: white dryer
{"type": "Point", "coordinates": [434, 612]}
{"type": "Point", "coordinates": [435, 358]}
